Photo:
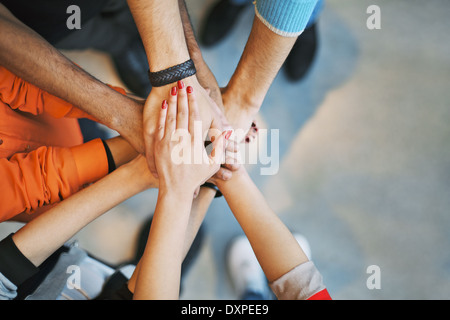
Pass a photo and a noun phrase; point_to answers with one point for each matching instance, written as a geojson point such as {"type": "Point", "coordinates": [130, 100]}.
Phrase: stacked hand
{"type": "Point", "coordinates": [181, 160]}
{"type": "Point", "coordinates": [151, 113]}
{"type": "Point", "coordinates": [210, 113]}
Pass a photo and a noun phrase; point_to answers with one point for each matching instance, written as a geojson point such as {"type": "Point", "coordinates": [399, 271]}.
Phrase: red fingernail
{"type": "Point", "coordinates": [228, 134]}
{"type": "Point", "coordinates": [174, 91]}
{"type": "Point", "coordinates": [180, 84]}
{"type": "Point", "coordinates": [189, 89]}
{"type": "Point", "coordinates": [247, 139]}
{"type": "Point", "coordinates": [164, 104]}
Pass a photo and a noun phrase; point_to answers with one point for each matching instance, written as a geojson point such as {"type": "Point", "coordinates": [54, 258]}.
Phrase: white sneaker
{"type": "Point", "coordinates": [244, 270]}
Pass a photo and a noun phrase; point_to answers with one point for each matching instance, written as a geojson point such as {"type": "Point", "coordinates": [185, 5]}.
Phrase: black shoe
{"type": "Point", "coordinates": [219, 22]}
{"type": "Point", "coordinates": [115, 288]}
{"type": "Point", "coordinates": [302, 55]}
{"type": "Point", "coordinates": [132, 67]}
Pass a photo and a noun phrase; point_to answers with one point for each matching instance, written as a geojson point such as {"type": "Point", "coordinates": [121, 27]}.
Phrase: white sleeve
{"type": "Point", "coordinates": [300, 283]}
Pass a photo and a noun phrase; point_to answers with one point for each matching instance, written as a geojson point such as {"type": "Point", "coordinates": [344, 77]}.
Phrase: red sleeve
{"type": "Point", "coordinates": [48, 175]}
{"type": "Point", "coordinates": [321, 295]}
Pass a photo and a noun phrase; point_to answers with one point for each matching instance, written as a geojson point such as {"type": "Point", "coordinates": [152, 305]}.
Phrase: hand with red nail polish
{"type": "Point", "coordinates": [181, 160]}
{"type": "Point", "coordinates": [207, 111]}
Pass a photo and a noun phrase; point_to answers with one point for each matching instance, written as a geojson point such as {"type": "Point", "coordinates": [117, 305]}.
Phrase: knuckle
{"type": "Point", "coordinates": [171, 119]}
{"type": "Point", "coordinates": [149, 131]}
{"type": "Point", "coordinates": [182, 113]}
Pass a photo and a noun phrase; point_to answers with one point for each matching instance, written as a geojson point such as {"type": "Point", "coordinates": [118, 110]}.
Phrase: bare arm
{"type": "Point", "coordinates": [204, 74]}
{"type": "Point", "coordinates": [121, 151]}
{"type": "Point", "coordinates": [263, 56]}
{"type": "Point", "coordinates": [199, 208]}
{"type": "Point", "coordinates": [29, 56]}
{"type": "Point", "coordinates": [161, 29]}
{"type": "Point", "coordinates": [274, 245]}
{"type": "Point", "coordinates": [159, 270]}
{"type": "Point", "coordinates": [160, 265]}
{"type": "Point", "coordinates": [208, 81]}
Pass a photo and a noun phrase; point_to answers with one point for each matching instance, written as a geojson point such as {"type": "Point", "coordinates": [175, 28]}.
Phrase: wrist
{"type": "Point", "coordinates": [172, 74]}
{"type": "Point", "coordinates": [165, 89]}
{"type": "Point", "coordinates": [237, 175]}
{"type": "Point", "coordinates": [195, 53]}
{"type": "Point", "coordinates": [136, 176]}
{"type": "Point", "coordinates": [237, 94]}
{"type": "Point", "coordinates": [181, 192]}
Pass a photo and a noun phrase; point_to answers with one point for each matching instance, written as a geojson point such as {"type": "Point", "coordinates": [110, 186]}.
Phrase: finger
{"type": "Point", "coordinates": [194, 113]}
{"type": "Point", "coordinates": [232, 145]}
{"type": "Point", "coordinates": [223, 174]}
{"type": "Point", "coordinates": [183, 108]}
{"type": "Point", "coordinates": [196, 192]}
{"type": "Point", "coordinates": [218, 151]}
{"type": "Point", "coordinates": [149, 144]}
{"type": "Point", "coordinates": [171, 118]}
{"type": "Point", "coordinates": [218, 120]}
{"type": "Point", "coordinates": [150, 156]}
{"type": "Point", "coordinates": [231, 164]}
{"type": "Point", "coordinates": [162, 121]}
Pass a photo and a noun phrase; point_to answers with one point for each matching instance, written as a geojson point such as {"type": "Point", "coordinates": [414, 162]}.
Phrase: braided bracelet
{"type": "Point", "coordinates": [172, 74]}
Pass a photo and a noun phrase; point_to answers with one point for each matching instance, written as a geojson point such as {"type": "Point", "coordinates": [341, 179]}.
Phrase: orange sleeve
{"type": "Point", "coordinates": [24, 96]}
{"type": "Point", "coordinates": [48, 175]}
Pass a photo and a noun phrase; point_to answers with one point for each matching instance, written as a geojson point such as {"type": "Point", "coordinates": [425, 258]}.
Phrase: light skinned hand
{"type": "Point", "coordinates": [232, 162]}
{"type": "Point", "coordinates": [151, 114]}
{"type": "Point", "coordinates": [181, 159]}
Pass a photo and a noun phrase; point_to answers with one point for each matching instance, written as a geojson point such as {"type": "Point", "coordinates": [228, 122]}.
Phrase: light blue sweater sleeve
{"type": "Point", "coordinates": [287, 18]}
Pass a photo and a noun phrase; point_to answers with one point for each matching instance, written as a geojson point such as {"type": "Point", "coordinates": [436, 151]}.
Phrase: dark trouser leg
{"type": "Point", "coordinates": [114, 31]}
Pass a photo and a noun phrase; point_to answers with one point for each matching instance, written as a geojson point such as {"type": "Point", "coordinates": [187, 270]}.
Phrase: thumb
{"type": "Point", "coordinates": [218, 148]}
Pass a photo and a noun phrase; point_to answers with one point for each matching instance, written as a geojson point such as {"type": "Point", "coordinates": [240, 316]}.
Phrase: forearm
{"type": "Point", "coordinates": [160, 27]}
{"type": "Point", "coordinates": [200, 206]}
{"type": "Point", "coordinates": [274, 245]}
{"type": "Point", "coordinates": [191, 41]}
{"type": "Point", "coordinates": [161, 31]}
{"type": "Point", "coordinates": [38, 239]}
{"type": "Point", "coordinates": [198, 211]}
{"type": "Point", "coordinates": [121, 151]}
{"type": "Point", "coordinates": [204, 75]}
{"type": "Point", "coordinates": [263, 56]}
{"type": "Point", "coordinates": [160, 266]}
{"type": "Point", "coordinates": [29, 56]}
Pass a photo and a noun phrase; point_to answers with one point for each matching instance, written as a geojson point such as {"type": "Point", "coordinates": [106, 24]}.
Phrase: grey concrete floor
{"type": "Point", "coordinates": [364, 155]}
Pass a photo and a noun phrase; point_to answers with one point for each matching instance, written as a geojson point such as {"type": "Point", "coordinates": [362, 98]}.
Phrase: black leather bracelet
{"type": "Point", "coordinates": [172, 74]}
{"type": "Point", "coordinates": [212, 186]}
